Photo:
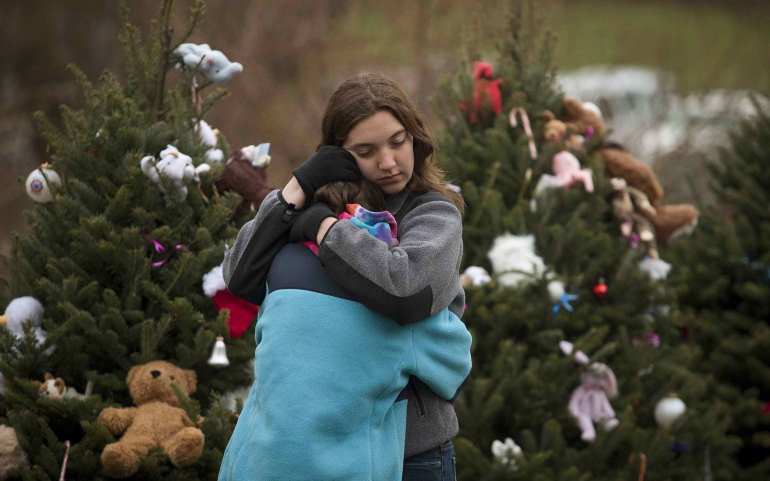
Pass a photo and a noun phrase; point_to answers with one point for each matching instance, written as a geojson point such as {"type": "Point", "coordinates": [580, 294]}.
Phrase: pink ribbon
{"type": "Point", "coordinates": [527, 129]}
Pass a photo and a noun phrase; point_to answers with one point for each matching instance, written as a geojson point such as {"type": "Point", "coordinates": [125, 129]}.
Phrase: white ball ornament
{"type": "Point", "coordinates": [669, 410]}
{"type": "Point", "coordinates": [41, 182]}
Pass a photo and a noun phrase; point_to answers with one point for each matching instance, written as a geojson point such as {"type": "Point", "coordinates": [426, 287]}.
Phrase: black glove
{"type": "Point", "coordinates": [329, 164]}
{"type": "Point", "coordinates": [308, 221]}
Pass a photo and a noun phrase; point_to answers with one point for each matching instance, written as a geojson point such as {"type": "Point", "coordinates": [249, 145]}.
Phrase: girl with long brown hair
{"type": "Point", "coordinates": [397, 306]}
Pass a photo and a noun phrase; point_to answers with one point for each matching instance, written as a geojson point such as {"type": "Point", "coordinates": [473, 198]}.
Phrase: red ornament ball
{"type": "Point", "coordinates": [600, 290]}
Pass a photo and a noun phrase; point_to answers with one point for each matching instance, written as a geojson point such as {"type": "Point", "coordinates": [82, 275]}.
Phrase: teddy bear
{"type": "Point", "coordinates": [12, 457]}
{"type": "Point", "coordinates": [246, 174]}
{"type": "Point", "coordinates": [556, 131]}
{"type": "Point", "coordinates": [176, 168]}
{"type": "Point", "coordinates": [590, 403]}
{"type": "Point", "coordinates": [156, 421]}
{"type": "Point", "coordinates": [583, 118]}
{"type": "Point", "coordinates": [669, 221]}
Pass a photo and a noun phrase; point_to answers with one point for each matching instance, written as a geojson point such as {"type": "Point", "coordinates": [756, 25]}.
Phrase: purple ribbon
{"type": "Point", "coordinates": [164, 251]}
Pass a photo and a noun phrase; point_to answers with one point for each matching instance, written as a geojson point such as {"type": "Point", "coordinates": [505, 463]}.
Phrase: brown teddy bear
{"type": "Point", "coordinates": [157, 421]}
{"type": "Point", "coordinates": [555, 131]}
{"type": "Point", "coordinates": [582, 118]}
{"type": "Point", "coordinates": [12, 457]}
{"type": "Point", "coordinates": [242, 176]}
{"type": "Point", "coordinates": [578, 122]}
{"type": "Point", "coordinates": [669, 221]}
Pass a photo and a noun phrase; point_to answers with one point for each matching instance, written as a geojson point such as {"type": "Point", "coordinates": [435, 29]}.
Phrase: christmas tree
{"type": "Point", "coordinates": [724, 282]}
{"type": "Point", "coordinates": [136, 204]}
{"type": "Point", "coordinates": [580, 371]}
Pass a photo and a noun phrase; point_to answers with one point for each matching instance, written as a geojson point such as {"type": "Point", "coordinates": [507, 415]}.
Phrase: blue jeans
{"type": "Point", "coordinates": [437, 464]}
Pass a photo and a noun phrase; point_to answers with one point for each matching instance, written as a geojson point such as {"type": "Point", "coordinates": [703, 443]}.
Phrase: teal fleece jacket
{"type": "Point", "coordinates": [406, 283]}
{"type": "Point", "coordinates": [328, 371]}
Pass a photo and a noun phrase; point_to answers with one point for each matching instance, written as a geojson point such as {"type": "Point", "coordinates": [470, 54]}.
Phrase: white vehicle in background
{"type": "Point", "coordinates": [645, 113]}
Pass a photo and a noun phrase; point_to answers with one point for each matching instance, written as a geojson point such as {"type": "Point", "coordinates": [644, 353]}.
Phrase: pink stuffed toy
{"type": "Point", "coordinates": [590, 403]}
{"type": "Point", "coordinates": [568, 172]}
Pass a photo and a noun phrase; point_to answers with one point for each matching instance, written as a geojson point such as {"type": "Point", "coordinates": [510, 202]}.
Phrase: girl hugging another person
{"type": "Point", "coordinates": [360, 346]}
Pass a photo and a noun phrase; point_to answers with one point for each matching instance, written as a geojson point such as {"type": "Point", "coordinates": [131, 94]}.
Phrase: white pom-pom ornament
{"type": "Point", "coordinates": [40, 183]}
{"type": "Point", "coordinates": [669, 410]}
{"type": "Point", "coordinates": [507, 452]}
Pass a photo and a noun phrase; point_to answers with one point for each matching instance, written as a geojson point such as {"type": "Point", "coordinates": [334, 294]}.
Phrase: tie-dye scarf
{"type": "Point", "coordinates": [382, 225]}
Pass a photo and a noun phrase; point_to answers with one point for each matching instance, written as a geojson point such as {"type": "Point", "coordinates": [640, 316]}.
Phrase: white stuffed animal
{"type": "Point", "coordinates": [176, 167]}
{"type": "Point", "coordinates": [213, 63]}
{"type": "Point", "coordinates": [475, 276]}
{"type": "Point", "coordinates": [257, 155]}
{"type": "Point", "coordinates": [209, 137]}
{"type": "Point", "coordinates": [21, 310]}
{"type": "Point", "coordinates": [514, 260]}
{"type": "Point", "coordinates": [18, 312]}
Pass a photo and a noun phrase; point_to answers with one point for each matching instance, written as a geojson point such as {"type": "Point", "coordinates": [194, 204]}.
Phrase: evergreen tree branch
{"type": "Point", "coordinates": [165, 33]}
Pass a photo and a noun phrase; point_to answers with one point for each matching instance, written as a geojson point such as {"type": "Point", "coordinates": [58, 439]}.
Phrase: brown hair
{"type": "Point", "coordinates": [365, 94]}
{"type": "Point", "coordinates": [337, 194]}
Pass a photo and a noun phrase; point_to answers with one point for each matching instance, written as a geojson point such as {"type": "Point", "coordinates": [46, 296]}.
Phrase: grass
{"type": "Point", "coordinates": [705, 44]}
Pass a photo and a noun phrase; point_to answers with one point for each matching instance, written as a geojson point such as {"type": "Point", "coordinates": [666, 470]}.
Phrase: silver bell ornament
{"type": "Point", "coordinates": [219, 353]}
{"type": "Point", "coordinates": [669, 410]}
{"type": "Point", "coordinates": [41, 182]}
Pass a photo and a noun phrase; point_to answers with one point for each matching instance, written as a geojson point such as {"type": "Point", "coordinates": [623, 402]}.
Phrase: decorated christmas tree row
{"type": "Point", "coordinates": [582, 369]}
{"type": "Point", "coordinates": [120, 337]}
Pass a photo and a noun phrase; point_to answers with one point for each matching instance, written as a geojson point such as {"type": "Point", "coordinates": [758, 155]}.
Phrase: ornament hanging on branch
{"type": "Point", "coordinates": [589, 402]}
{"type": "Point", "coordinates": [42, 184]}
{"type": "Point", "coordinates": [212, 63]}
{"type": "Point", "coordinates": [560, 297]}
{"type": "Point", "coordinates": [527, 129]}
{"type": "Point", "coordinates": [487, 99]}
{"type": "Point", "coordinates": [568, 172]}
{"type": "Point", "coordinates": [475, 276]}
{"type": "Point", "coordinates": [508, 453]}
{"type": "Point", "coordinates": [210, 138]}
{"type": "Point", "coordinates": [246, 174]}
{"type": "Point", "coordinates": [600, 289]}
{"type": "Point", "coordinates": [162, 253]}
{"type": "Point", "coordinates": [219, 353]}
{"type": "Point", "coordinates": [172, 172]}
{"type": "Point", "coordinates": [669, 410]}
{"type": "Point", "coordinates": [514, 260]}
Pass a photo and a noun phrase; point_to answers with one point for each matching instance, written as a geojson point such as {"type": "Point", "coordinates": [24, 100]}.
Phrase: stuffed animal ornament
{"type": "Point", "coordinates": [669, 221]}
{"type": "Point", "coordinates": [56, 388]}
{"type": "Point", "coordinates": [568, 173]}
{"type": "Point", "coordinates": [175, 168]}
{"type": "Point", "coordinates": [156, 421]}
{"type": "Point", "coordinates": [514, 260]}
{"type": "Point", "coordinates": [246, 174]}
{"type": "Point", "coordinates": [210, 138]}
{"type": "Point", "coordinates": [213, 63]}
{"type": "Point", "coordinates": [590, 403]}
{"type": "Point", "coordinates": [12, 457]}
